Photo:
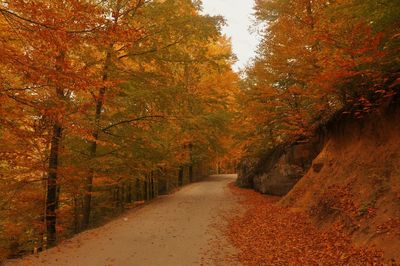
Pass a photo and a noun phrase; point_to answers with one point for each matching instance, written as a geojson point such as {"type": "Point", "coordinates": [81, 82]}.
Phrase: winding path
{"type": "Point", "coordinates": [173, 230]}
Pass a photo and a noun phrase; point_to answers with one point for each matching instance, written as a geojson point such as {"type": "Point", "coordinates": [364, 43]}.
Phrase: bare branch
{"type": "Point", "coordinates": [9, 13]}
{"type": "Point", "coordinates": [132, 120]}
{"type": "Point", "coordinates": [154, 50]}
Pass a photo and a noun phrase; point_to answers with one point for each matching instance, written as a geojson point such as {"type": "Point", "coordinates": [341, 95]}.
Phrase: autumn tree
{"type": "Point", "coordinates": [41, 40]}
{"type": "Point", "coordinates": [316, 58]}
{"type": "Point", "coordinates": [151, 47]}
{"type": "Point", "coordinates": [100, 100]}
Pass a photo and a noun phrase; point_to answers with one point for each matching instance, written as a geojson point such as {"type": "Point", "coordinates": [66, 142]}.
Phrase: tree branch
{"type": "Point", "coordinates": [5, 12]}
{"type": "Point", "coordinates": [154, 50]}
{"type": "Point", "coordinates": [132, 120]}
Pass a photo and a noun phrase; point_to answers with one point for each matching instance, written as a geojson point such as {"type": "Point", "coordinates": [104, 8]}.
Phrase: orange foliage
{"type": "Point", "coordinates": [315, 59]}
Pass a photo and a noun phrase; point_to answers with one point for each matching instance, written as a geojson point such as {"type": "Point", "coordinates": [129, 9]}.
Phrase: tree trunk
{"type": "Point", "coordinates": [76, 216]}
{"type": "Point", "coordinates": [148, 196]}
{"type": "Point", "coordinates": [145, 187]}
{"type": "Point", "coordinates": [156, 189]}
{"type": "Point", "coordinates": [191, 173]}
{"type": "Point", "coordinates": [93, 146]}
{"type": "Point", "coordinates": [167, 184]}
{"type": "Point", "coordinates": [121, 200]}
{"type": "Point", "coordinates": [190, 147]}
{"type": "Point", "coordinates": [180, 176]}
{"type": "Point", "coordinates": [138, 190]}
{"type": "Point", "coordinates": [52, 186]}
{"type": "Point", "coordinates": [153, 193]}
{"type": "Point", "coordinates": [51, 200]}
{"type": "Point", "coordinates": [129, 193]}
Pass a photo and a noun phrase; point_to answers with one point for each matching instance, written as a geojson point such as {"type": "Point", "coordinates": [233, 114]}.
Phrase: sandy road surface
{"type": "Point", "coordinates": [173, 230]}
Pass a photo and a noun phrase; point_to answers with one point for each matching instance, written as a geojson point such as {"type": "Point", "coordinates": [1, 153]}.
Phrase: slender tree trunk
{"type": "Point", "coordinates": [116, 193]}
{"type": "Point", "coordinates": [145, 187]}
{"type": "Point", "coordinates": [121, 196]}
{"type": "Point", "coordinates": [51, 200]}
{"type": "Point", "coordinates": [191, 172]}
{"type": "Point", "coordinates": [167, 184]}
{"type": "Point", "coordinates": [153, 193]}
{"type": "Point", "coordinates": [190, 147]}
{"type": "Point", "coordinates": [93, 146]}
{"type": "Point", "coordinates": [150, 187]}
{"type": "Point", "coordinates": [129, 193]}
{"type": "Point", "coordinates": [138, 190]}
{"type": "Point", "coordinates": [180, 176]}
{"type": "Point", "coordinates": [156, 187]}
{"type": "Point", "coordinates": [149, 192]}
{"type": "Point", "coordinates": [52, 185]}
{"type": "Point", "coordinates": [118, 201]}
{"type": "Point", "coordinates": [76, 216]}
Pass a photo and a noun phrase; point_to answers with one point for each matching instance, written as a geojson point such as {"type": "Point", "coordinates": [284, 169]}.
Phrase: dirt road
{"type": "Point", "coordinates": [173, 230]}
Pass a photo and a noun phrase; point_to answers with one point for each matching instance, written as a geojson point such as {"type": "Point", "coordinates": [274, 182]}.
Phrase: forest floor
{"type": "Point", "coordinates": [173, 230]}
{"type": "Point", "coordinates": [266, 233]}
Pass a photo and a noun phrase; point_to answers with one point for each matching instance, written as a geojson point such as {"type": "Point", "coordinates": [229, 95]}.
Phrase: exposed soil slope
{"type": "Point", "coordinates": [173, 230]}
{"type": "Point", "coordinates": [355, 181]}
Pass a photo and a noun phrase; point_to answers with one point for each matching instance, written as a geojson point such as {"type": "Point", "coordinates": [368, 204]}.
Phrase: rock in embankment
{"type": "Point", "coordinates": [278, 170]}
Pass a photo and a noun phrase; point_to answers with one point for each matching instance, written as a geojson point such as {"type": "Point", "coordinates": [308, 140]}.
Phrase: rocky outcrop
{"type": "Point", "coordinates": [278, 170]}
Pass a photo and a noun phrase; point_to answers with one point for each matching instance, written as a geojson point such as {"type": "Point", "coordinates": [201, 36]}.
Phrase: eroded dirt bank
{"type": "Point", "coordinates": [346, 175]}
{"type": "Point", "coordinates": [354, 182]}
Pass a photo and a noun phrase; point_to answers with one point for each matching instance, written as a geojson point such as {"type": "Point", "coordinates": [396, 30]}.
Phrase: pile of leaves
{"type": "Point", "coordinates": [269, 234]}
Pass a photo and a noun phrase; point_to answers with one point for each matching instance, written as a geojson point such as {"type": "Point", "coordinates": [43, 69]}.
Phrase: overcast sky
{"type": "Point", "coordinates": [238, 16]}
